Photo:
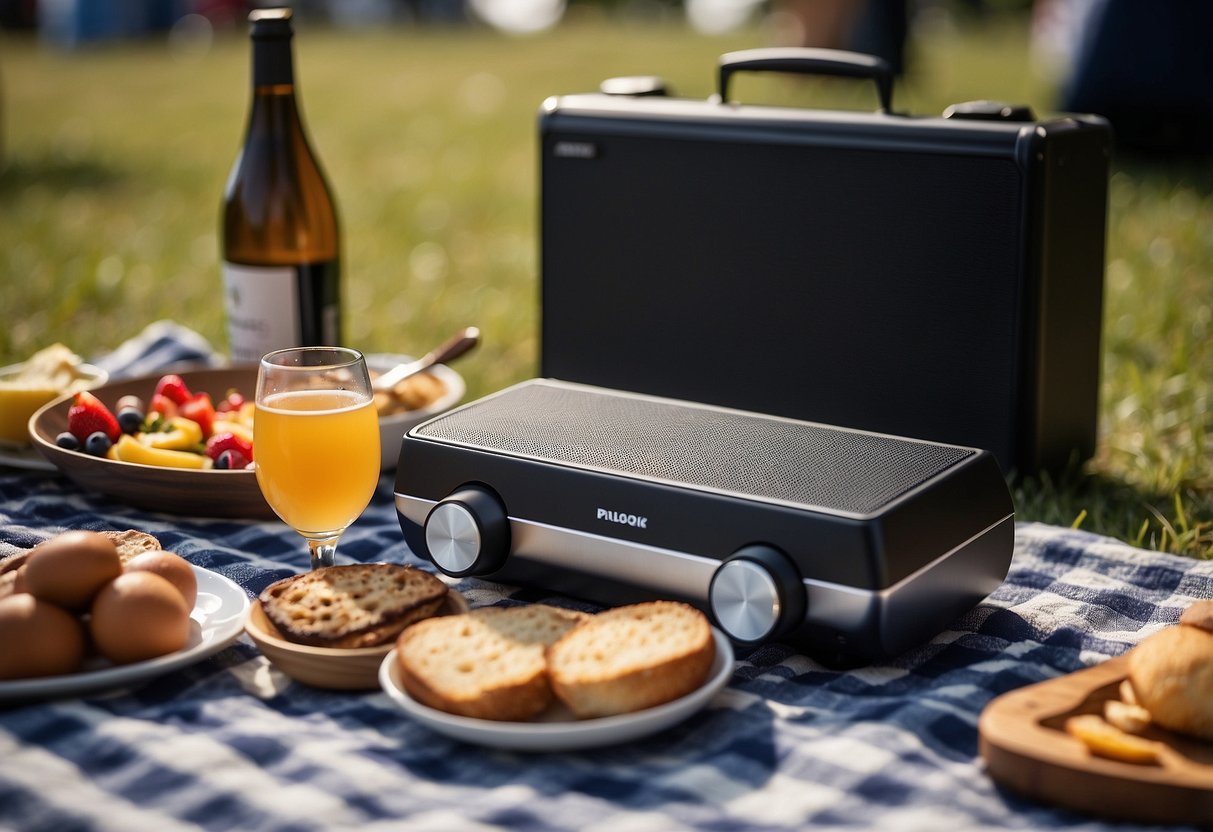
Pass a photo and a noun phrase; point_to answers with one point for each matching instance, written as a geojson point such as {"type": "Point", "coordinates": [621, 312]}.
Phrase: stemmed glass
{"type": "Point", "coordinates": [317, 446]}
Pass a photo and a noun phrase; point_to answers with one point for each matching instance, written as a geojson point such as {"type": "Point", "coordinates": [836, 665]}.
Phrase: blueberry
{"type": "Point", "coordinates": [231, 459]}
{"type": "Point", "coordinates": [67, 441]}
{"type": "Point", "coordinates": [130, 419]}
{"type": "Point", "coordinates": [97, 443]}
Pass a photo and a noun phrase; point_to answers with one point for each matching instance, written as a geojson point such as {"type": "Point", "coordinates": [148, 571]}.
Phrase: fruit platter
{"type": "Point", "coordinates": [175, 443]}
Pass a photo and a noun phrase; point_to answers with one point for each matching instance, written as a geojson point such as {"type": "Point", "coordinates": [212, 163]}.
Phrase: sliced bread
{"type": "Point", "coordinates": [629, 658]}
{"type": "Point", "coordinates": [488, 663]}
{"type": "Point", "coordinates": [355, 605]}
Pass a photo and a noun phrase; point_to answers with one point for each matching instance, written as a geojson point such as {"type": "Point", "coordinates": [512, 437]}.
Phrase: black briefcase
{"type": "Point", "coordinates": [938, 278]}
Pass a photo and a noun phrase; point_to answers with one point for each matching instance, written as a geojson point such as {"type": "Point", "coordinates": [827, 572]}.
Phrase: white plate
{"type": "Point", "coordinates": [218, 620]}
{"type": "Point", "coordinates": [556, 729]}
{"type": "Point", "coordinates": [24, 456]}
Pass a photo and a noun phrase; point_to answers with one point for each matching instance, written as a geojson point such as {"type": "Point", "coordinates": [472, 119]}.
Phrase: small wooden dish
{"type": "Point", "coordinates": [328, 667]}
{"type": "Point", "coordinates": [1026, 748]}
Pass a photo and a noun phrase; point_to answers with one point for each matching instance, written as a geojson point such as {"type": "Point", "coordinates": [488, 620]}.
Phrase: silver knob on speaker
{"type": "Point", "coordinates": [757, 594]}
{"type": "Point", "coordinates": [468, 533]}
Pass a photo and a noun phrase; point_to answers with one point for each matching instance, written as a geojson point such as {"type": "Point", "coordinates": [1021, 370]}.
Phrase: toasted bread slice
{"type": "Point", "coordinates": [12, 581]}
{"type": "Point", "coordinates": [634, 657]}
{"type": "Point", "coordinates": [131, 543]}
{"type": "Point", "coordinates": [355, 605]}
{"type": "Point", "coordinates": [488, 663]}
{"type": "Point", "coordinates": [13, 562]}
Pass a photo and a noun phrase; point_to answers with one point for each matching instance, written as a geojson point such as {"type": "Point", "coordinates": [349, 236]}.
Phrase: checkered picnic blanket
{"type": "Point", "coordinates": [229, 743]}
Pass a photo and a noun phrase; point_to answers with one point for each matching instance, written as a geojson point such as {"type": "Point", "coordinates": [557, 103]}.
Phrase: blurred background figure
{"type": "Point", "coordinates": [874, 27]}
{"type": "Point", "coordinates": [371, 13]}
{"type": "Point", "coordinates": [519, 16]}
{"type": "Point", "coordinates": [1146, 67]}
{"type": "Point", "coordinates": [716, 17]}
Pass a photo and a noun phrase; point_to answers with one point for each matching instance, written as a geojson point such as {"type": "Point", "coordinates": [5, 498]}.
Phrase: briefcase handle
{"type": "Point", "coordinates": [808, 61]}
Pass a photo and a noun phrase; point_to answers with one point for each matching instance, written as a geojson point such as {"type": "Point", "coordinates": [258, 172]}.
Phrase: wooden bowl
{"type": "Point", "coordinates": [180, 491]}
{"type": "Point", "coordinates": [328, 667]}
{"type": "Point", "coordinates": [209, 493]}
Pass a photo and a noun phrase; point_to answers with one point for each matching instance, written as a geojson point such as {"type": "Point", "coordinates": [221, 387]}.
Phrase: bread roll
{"type": "Point", "coordinates": [1172, 676]}
{"type": "Point", "coordinates": [632, 657]}
{"type": "Point", "coordinates": [488, 663]}
{"type": "Point", "coordinates": [1198, 615]}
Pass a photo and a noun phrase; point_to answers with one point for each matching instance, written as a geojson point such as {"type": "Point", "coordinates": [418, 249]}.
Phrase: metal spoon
{"type": "Point", "coordinates": [450, 349]}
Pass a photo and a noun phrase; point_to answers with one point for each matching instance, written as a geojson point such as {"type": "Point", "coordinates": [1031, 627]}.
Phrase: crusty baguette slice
{"type": "Point", "coordinates": [487, 663]}
{"type": "Point", "coordinates": [355, 605]}
{"type": "Point", "coordinates": [629, 658]}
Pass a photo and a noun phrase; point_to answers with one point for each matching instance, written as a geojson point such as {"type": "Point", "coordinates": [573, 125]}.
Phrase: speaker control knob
{"type": "Point", "coordinates": [757, 594]}
{"type": "Point", "coordinates": [468, 533]}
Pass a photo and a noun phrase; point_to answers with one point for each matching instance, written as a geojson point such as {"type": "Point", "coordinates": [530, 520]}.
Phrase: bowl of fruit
{"type": "Point", "coordinates": [184, 443]}
{"type": "Point", "coordinates": [175, 443]}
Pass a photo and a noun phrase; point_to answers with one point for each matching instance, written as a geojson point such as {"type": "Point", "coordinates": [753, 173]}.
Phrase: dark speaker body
{"type": "Point", "coordinates": [938, 278]}
{"type": "Point", "coordinates": [849, 543]}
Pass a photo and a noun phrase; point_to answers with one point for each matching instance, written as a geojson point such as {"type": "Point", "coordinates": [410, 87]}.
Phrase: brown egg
{"type": "Point", "coordinates": [38, 638]}
{"type": "Point", "coordinates": [139, 615]}
{"type": "Point", "coordinates": [172, 567]}
{"type": "Point", "coordinates": [69, 569]}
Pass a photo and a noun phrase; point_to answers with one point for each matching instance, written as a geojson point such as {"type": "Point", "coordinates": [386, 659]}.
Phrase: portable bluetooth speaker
{"type": "Point", "coordinates": [939, 278]}
{"type": "Point", "coordinates": [855, 545]}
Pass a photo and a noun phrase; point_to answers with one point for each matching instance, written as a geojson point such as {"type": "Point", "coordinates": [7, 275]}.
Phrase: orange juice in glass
{"type": "Point", "coordinates": [317, 452]}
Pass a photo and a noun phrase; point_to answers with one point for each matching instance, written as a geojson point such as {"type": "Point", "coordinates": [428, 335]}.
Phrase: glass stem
{"type": "Point", "coordinates": [324, 551]}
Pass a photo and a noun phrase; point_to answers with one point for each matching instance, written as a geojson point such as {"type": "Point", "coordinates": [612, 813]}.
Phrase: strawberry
{"type": "Point", "coordinates": [232, 402]}
{"type": "Point", "coordinates": [199, 408]}
{"type": "Point", "coordinates": [163, 405]}
{"type": "Point", "coordinates": [173, 388]}
{"type": "Point", "coordinates": [88, 415]}
{"type": "Point", "coordinates": [226, 441]}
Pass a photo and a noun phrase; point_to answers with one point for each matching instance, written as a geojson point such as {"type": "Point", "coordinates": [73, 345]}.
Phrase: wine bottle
{"type": "Point", "coordinates": [280, 237]}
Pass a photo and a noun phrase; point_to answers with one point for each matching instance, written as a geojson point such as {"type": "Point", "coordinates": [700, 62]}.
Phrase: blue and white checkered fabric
{"type": "Point", "coordinates": [230, 744]}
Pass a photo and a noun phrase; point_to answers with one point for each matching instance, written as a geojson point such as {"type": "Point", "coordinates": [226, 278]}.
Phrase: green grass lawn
{"type": "Point", "coordinates": [115, 161]}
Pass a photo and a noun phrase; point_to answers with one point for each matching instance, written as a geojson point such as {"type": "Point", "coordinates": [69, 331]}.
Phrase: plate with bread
{"type": "Point", "coordinates": [89, 611]}
{"type": "Point", "coordinates": [542, 678]}
{"type": "Point", "coordinates": [1130, 738]}
{"type": "Point", "coordinates": [331, 627]}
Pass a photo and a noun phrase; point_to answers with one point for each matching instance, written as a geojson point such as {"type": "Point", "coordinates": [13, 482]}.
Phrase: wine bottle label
{"type": "Point", "coordinates": [272, 307]}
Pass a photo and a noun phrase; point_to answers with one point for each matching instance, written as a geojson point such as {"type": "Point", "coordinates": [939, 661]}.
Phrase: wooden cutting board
{"type": "Point", "coordinates": [1026, 749]}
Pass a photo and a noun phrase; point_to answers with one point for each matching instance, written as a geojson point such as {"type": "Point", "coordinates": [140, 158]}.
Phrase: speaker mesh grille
{"type": "Point", "coordinates": [790, 462]}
